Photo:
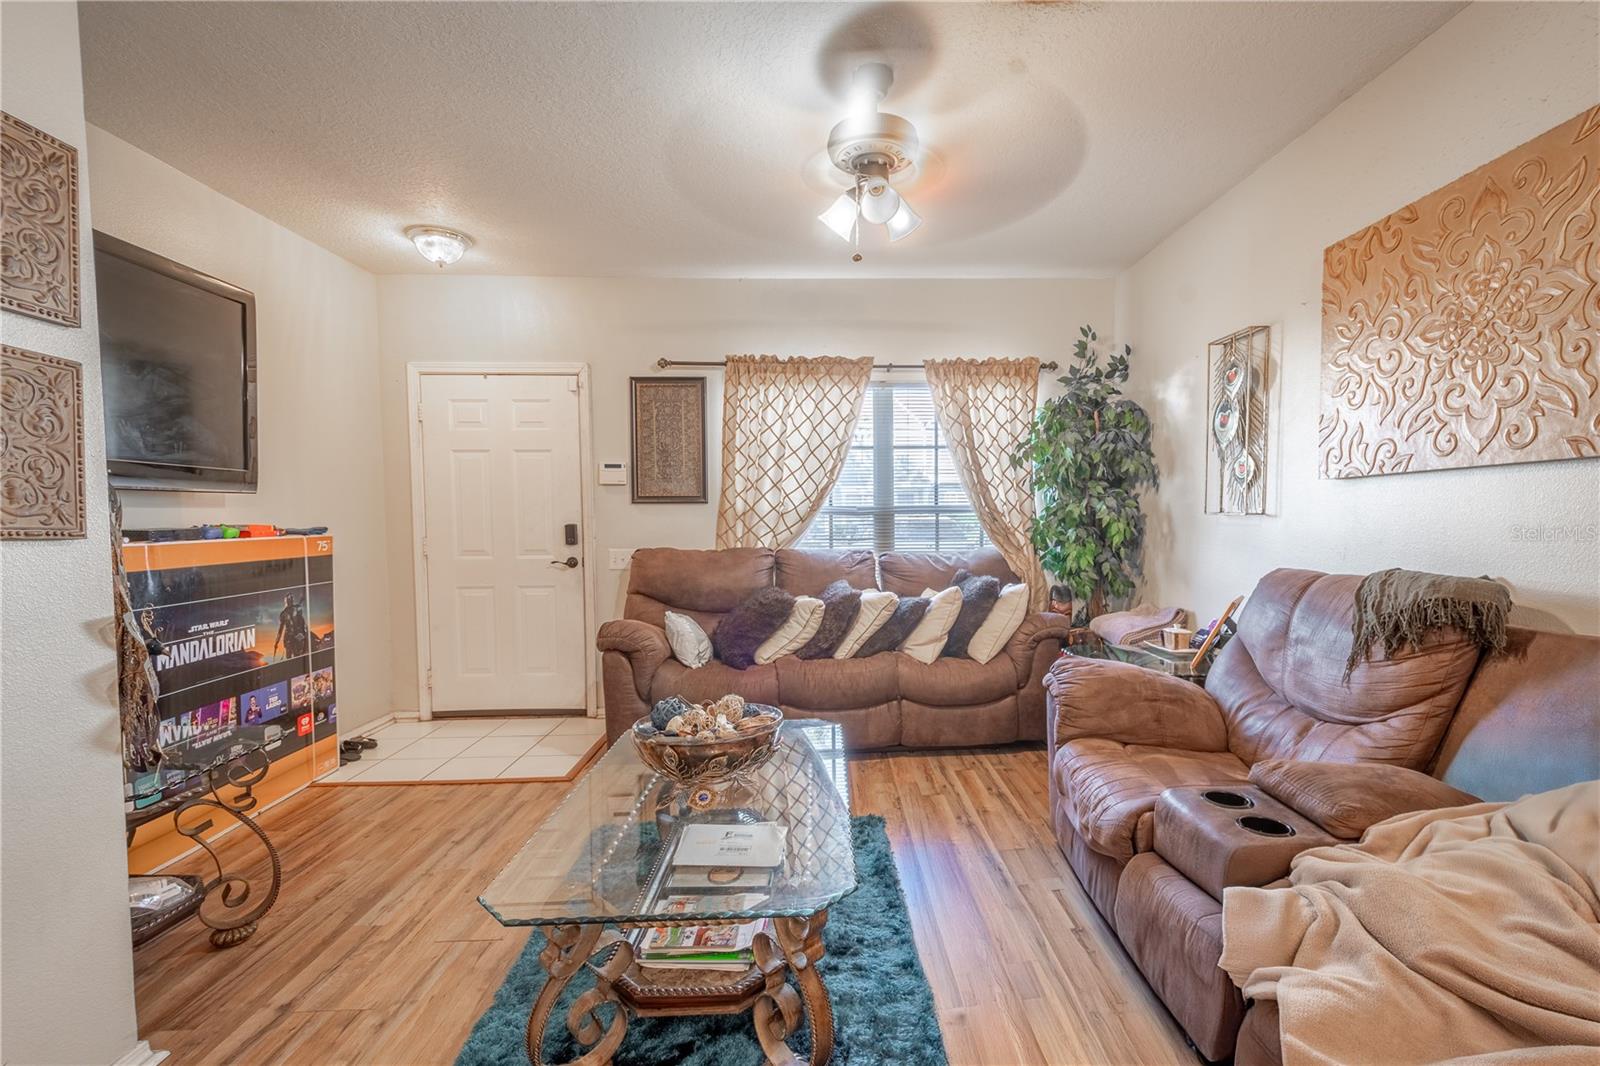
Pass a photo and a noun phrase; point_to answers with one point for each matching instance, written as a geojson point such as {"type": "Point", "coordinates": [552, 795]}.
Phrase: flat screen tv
{"type": "Point", "coordinates": [178, 367]}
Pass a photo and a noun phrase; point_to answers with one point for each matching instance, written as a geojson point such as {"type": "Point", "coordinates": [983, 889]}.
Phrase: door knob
{"type": "Point", "coordinates": [570, 562]}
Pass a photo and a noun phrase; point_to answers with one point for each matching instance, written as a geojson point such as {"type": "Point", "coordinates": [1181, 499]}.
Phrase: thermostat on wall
{"type": "Point", "coordinates": [613, 473]}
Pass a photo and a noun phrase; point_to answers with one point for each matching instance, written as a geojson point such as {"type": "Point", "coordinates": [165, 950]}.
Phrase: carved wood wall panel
{"type": "Point", "coordinates": [38, 223]}
{"type": "Point", "coordinates": [1464, 329]}
{"type": "Point", "coordinates": [41, 445]}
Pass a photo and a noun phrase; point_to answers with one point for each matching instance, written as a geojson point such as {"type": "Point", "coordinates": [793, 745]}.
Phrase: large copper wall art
{"type": "Point", "coordinates": [1464, 329]}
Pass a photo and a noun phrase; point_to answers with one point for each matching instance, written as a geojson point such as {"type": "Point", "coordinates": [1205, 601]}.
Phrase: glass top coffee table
{"type": "Point", "coordinates": [598, 865]}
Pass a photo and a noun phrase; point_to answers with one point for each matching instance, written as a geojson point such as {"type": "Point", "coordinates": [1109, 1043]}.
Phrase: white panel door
{"type": "Point", "coordinates": [500, 468]}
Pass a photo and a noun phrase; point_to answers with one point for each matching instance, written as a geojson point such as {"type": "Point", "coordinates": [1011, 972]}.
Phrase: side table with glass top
{"type": "Point", "coordinates": [590, 873]}
{"type": "Point", "coordinates": [1174, 663]}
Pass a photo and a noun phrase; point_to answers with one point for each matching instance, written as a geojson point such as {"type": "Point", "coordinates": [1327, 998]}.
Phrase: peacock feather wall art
{"type": "Point", "coordinates": [1237, 367]}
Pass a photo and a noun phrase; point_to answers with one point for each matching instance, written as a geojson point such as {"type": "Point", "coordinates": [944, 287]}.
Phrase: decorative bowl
{"type": "Point", "coordinates": [705, 759]}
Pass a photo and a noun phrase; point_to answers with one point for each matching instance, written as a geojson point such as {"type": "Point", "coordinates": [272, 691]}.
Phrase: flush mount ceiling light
{"type": "Point", "coordinates": [439, 245]}
{"type": "Point", "coordinates": [871, 146]}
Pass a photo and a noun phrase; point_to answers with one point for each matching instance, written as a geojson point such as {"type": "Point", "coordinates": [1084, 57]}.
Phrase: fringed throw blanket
{"type": "Point", "coordinates": [1395, 608]}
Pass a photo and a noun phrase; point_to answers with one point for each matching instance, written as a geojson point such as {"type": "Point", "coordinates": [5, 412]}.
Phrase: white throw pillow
{"type": "Point", "coordinates": [876, 609]}
{"type": "Point", "coordinates": [690, 645]}
{"type": "Point", "coordinates": [803, 623]}
{"type": "Point", "coordinates": [996, 631]}
{"type": "Point", "coordinates": [927, 640]}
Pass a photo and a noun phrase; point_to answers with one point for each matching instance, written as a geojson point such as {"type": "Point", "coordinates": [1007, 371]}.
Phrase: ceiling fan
{"type": "Point", "coordinates": [871, 146]}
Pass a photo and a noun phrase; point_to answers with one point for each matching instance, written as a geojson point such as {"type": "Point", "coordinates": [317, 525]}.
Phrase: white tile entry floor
{"type": "Point", "coordinates": [472, 749]}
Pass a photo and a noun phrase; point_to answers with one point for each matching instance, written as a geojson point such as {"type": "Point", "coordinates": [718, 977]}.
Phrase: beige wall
{"type": "Point", "coordinates": [67, 969]}
{"type": "Point", "coordinates": [317, 363]}
{"type": "Point", "coordinates": [1488, 80]}
{"type": "Point", "coordinates": [334, 448]}
{"type": "Point", "coordinates": [621, 327]}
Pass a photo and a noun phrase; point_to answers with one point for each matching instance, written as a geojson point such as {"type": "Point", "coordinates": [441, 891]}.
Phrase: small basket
{"type": "Point", "coordinates": [706, 760]}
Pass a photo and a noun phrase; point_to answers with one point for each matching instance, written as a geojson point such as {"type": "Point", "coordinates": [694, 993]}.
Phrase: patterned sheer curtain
{"type": "Point", "coordinates": [985, 407]}
{"type": "Point", "coordinates": [786, 427]}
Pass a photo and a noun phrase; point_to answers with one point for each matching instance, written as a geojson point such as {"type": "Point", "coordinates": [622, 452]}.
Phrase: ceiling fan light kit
{"type": "Point", "coordinates": [871, 146]}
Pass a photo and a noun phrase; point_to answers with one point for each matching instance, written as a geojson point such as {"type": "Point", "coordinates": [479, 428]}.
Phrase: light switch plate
{"type": "Point", "coordinates": [620, 557]}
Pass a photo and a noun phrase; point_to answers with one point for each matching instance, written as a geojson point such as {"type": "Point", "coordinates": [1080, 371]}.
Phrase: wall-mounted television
{"type": "Point", "coordinates": [178, 368]}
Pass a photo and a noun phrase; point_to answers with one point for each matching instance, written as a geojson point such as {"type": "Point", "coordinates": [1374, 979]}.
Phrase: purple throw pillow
{"type": "Point", "coordinates": [841, 602]}
{"type": "Point", "coordinates": [978, 596]}
{"type": "Point", "coordinates": [893, 633]}
{"type": "Point", "coordinates": [747, 626]}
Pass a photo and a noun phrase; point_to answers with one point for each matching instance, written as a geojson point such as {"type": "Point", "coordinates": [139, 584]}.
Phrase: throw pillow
{"type": "Point", "coordinates": [801, 626]}
{"type": "Point", "coordinates": [1001, 625]}
{"type": "Point", "coordinates": [1347, 798]}
{"type": "Point", "coordinates": [689, 643]}
{"type": "Point", "coordinates": [927, 640]}
{"type": "Point", "coordinates": [876, 609]}
{"type": "Point", "coordinates": [907, 613]}
{"type": "Point", "coordinates": [748, 626]}
{"type": "Point", "coordinates": [978, 594]}
{"type": "Point", "coordinates": [841, 602]}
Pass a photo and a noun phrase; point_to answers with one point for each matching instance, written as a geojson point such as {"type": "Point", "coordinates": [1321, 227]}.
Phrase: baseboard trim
{"type": "Point", "coordinates": [142, 1054]}
{"type": "Point", "coordinates": [381, 721]}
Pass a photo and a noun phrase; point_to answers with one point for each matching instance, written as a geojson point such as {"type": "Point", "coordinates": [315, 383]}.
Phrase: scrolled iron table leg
{"type": "Point", "coordinates": [236, 920]}
{"type": "Point", "coordinates": [776, 1012]}
{"type": "Point", "coordinates": [568, 951]}
{"type": "Point", "coordinates": [229, 904]}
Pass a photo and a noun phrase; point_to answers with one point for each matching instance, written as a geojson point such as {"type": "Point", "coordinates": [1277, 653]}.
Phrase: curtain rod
{"type": "Point", "coordinates": [718, 364]}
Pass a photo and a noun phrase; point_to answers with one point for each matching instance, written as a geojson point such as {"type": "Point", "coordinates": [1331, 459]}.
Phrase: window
{"type": "Point", "coordinates": [899, 488]}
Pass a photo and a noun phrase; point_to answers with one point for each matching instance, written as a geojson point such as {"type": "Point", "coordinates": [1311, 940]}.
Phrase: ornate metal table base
{"type": "Point", "coordinates": [228, 904]}
{"type": "Point", "coordinates": [763, 990]}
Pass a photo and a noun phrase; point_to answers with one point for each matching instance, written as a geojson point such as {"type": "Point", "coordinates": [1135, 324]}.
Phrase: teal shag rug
{"type": "Point", "coordinates": [882, 1005]}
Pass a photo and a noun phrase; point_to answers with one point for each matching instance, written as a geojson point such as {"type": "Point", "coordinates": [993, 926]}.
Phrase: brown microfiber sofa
{"type": "Point", "coordinates": [1131, 751]}
{"type": "Point", "coordinates": [885, 701]}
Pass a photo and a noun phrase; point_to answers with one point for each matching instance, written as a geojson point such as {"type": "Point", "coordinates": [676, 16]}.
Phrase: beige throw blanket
{"type": "Point", "coordinates": [1136, 625]}
{"type": "Point", "coordinates": [1470, 934]}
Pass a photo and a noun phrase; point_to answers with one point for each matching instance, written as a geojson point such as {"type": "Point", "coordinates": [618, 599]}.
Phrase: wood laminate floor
{"type": "Point", "coordinates": [378, 953]}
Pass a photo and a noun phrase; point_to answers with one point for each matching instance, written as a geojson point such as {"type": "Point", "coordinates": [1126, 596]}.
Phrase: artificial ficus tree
{"type": "Point", "coordinates": [1089, 454]}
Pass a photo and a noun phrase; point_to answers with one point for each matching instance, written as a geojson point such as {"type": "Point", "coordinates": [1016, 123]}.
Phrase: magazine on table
{"type": "Point", "coordinates": [702, 947]}
{"type": "Point", "coordinates": [723, 844]}
{"type": "Point", "coordinates": [709, 879]}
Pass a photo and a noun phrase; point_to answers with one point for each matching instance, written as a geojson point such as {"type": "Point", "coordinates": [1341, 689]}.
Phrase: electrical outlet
{"type": "Point", "coordinates": [620, 557]}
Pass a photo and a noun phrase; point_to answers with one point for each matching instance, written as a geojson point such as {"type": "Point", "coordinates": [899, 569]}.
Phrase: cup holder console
{"type": "Point", "coordinates": [1224, 798]}
{"type": "Point", "coordinates": [1230, 835]}
{"type": "Point", "coordinates": [1267, 827]}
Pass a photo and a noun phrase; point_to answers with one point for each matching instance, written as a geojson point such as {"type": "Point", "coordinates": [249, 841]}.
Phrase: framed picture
{"type": "Point", "coordinates": [669, 440]}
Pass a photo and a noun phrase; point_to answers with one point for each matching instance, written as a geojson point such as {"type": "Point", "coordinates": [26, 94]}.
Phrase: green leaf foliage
{"type": "Point", "coordinates": [1089, 453]}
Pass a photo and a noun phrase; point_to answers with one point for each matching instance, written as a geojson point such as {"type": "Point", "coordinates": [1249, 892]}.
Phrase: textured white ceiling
{"type": "Point", "coordinates": [687, 139]}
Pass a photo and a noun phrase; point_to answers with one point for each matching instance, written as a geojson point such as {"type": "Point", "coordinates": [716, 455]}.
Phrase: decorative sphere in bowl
{"type": "Point", "coordinates": [713, 755]}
